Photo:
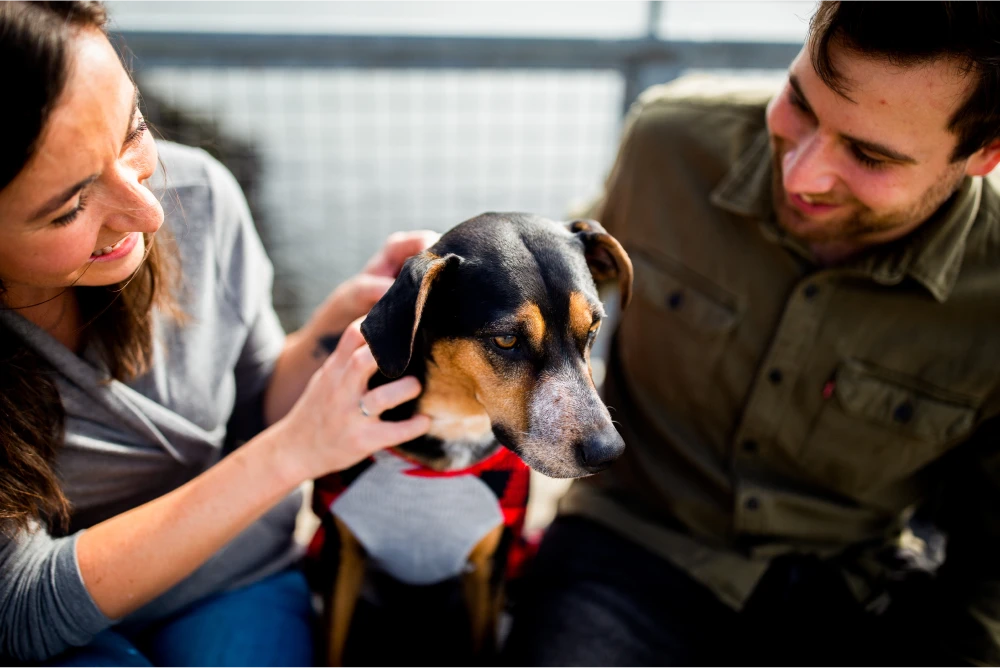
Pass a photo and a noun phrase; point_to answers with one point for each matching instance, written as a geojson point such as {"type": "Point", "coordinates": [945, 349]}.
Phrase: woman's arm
{"type": "Point", "coordinates": [306, 349]}
{"type": "Point", "coordinates": [132, 558]}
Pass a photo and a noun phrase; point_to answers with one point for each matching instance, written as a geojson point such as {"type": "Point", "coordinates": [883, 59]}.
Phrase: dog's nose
{"type": "Point", "coordinates": [598, 451]}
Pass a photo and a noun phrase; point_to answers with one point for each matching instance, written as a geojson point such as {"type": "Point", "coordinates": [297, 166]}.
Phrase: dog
{"type": "Point", "coordinates": [496, 320]}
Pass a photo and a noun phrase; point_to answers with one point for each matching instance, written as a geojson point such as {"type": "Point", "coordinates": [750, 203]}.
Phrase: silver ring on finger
{"type": "Point", "coordinates": [364, 409]}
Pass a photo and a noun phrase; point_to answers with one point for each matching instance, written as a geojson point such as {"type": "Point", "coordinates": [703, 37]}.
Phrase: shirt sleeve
{"type": "Point", "coordinates": [247, 276]}
{"type": "Point", "coordinates": [44, 606]}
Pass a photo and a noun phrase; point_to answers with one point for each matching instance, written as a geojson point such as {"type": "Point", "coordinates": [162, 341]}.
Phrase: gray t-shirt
{"type": "Point", "coordinates": [127, 443]}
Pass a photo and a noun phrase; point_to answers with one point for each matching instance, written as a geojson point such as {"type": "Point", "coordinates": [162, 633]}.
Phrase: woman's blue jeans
{"type": "Point", "coordinates": [269, 623]}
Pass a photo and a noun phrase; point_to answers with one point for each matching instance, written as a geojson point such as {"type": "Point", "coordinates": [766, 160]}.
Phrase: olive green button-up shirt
{"type": "Point", "coordinates": [770, 404]}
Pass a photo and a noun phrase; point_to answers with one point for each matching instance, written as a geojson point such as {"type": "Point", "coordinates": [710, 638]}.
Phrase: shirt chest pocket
{"type": "Point", "coordinates": [878, 427]}
{"type": "Point", "coordinates": [676, 331]}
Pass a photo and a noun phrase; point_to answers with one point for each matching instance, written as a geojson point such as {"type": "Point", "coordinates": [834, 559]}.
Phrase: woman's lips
{"type": "Point", "coordinates": [117, 250]}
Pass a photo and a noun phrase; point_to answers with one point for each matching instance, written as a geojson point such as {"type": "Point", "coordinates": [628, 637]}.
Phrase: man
{"type": "Point", "coordinates": [813, 354]}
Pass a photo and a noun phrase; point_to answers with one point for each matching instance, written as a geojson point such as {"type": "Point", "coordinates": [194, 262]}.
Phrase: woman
{"type": "Point", "coordinates": [132, 342]}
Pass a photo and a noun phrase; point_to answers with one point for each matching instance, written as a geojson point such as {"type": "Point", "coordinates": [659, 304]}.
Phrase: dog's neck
{"type": "Point", "coordinates": [461, 434]}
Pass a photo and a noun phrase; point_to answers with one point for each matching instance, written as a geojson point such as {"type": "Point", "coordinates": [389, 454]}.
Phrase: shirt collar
{"type": "Point", "coordinates": [932, 254]}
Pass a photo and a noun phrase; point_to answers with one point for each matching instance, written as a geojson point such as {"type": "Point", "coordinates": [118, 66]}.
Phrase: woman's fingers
{"type": "Point", "coordinates": [389, 434]}
{"type": "Point", "coordinates": [399, 246]}
{"type": "Point", "coordinates": [350, 341]}
{"type": "Point", "coordinates": [329, 409]}
{"type": "Point", "coordinates": [358, 294]}
{"type": "Point", "coordinates": [369, 289]}
{"type": "Point", "coordinates": [360, 368]}
{"type": "Point", "coordinates": [402, 245]}
{"type": "Point", "coordinates": [388, 396]}
{"type": "Point", "coordinates": [384, 433]}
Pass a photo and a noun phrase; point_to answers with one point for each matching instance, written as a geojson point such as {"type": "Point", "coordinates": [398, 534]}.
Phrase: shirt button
{"type": "Point", "coordinates": [774, 375]}
{"type": "Point", "coordinates": [674, 300]}
{"type": "Point", "coordinates": [750, 446]}
{"type": "Point", "coordinates": [752, 503]}
{"type": "Point", "coordinates": [810, 291]}
{"type": "Point", "coordinates": [903, 413]}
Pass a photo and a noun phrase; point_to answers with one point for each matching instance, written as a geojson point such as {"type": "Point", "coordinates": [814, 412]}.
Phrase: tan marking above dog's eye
{"type": "Point", "coordinates": [505, 342]}
{"type": "Point", "coordinates": [531, 323]}
{"type": "Point", "coordinates": [581, 315]}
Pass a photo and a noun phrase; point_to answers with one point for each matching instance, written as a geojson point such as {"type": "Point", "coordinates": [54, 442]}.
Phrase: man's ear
{"type": "Point", "coordinates": [391, 326]}
{"type": "Point", "coordinates": [605, 256]}
{"type": "Point", "coordinates": [984, 160]}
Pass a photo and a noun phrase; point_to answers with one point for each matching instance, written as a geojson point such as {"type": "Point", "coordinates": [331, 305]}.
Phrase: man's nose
{"type": "Point", "coordinates": [808, 167]}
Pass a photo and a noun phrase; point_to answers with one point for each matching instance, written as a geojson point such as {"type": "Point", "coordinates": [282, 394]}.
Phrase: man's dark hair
{"type": "Point", "coordinates": [912, 33]}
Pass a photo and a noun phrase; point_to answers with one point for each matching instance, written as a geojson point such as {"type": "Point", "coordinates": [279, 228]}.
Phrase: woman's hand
{"type": "Point", "coordinates": [397, 248]}
{"type": "Point", "coordinates": [306, 349]}
{"type": "Point", "coordinates": [315, 431]}
{"type": "Point", "coordinates": [132, 558]}
{"type": "Point", "coordinates": [326, 429]}
{"type": "Point", "coordinates": [349, 301]}
{"type": "Point", "coordinates": [354, 297]}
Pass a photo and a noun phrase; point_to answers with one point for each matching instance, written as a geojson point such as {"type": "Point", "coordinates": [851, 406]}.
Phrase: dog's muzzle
{"type": "Point", "coordinates": [598, 451]}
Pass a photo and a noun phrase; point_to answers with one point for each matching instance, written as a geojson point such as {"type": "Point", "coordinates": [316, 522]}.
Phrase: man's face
{"type": "Point", "coordinates": [854, 172]}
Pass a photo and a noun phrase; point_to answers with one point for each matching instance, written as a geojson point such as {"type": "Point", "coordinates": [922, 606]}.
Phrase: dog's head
{"type": "Point", "coordinates": [502, 312]}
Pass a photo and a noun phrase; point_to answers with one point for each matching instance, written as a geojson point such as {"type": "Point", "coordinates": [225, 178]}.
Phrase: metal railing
{"type": "Point", "coordinates": [340, 139]}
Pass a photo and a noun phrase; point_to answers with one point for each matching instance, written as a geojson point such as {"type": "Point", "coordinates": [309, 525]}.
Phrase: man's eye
{"type": "Point", "coordinates": [505, 342]}
{"type": "Point", "coordinates": [867, 160]}
{"type": "Point", "coordinates": [797, 102]}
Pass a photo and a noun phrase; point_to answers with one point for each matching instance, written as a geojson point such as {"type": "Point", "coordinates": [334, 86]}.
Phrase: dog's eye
{"type": "Point", "coordinates": [505, 342]}
{"type": "Point", "coordinates": [594, 329]}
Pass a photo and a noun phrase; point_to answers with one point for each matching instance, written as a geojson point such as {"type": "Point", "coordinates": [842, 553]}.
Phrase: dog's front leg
{"type": "Point", "coordinates": [346, 589]}
{"type": "Point", "coordinates": [479, 597]}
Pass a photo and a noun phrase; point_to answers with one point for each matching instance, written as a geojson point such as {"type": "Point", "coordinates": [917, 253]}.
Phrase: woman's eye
{"type": "Point", "coordinates": [69, 217]}
{"type": "Point", "coordinates": [136, 135]}
{"type": "Point", "coordinates": [505, 342]}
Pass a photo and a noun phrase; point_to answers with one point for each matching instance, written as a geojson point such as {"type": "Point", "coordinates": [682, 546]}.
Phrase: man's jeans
{"type": "Point", "coordinates": [594, 598]}
{"type": "Point", "coordinates": [269, 623]}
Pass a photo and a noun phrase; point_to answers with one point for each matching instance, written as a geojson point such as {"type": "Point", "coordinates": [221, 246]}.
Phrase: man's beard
{"type": "Point", "coordinates": [862, 223]}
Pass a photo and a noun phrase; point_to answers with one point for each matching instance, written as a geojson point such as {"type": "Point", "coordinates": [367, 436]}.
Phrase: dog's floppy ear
{"type": "Point", "coordinates": [391, 326]}
{"type": "Point", "coordinates": [605, 256]}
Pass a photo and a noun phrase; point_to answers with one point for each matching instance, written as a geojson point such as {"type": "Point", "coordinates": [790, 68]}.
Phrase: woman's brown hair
{"type": "Point", "coordinates": [34, 46]}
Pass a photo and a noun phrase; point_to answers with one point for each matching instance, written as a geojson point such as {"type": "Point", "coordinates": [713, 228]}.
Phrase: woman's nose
{"type": "Point", "coordinates": [133, 207]}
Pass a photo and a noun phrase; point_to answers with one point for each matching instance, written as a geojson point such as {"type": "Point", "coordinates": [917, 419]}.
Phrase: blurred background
{"type": "Point", "coordinates": [345, 121]}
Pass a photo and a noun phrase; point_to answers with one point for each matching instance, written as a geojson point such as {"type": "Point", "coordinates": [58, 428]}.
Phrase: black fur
{"type": "Point", "coordinates": [494, 264]}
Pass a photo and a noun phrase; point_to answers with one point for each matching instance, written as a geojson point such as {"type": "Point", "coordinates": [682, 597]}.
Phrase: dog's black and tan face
{"type": "Point", "coordinates": [497, 319]}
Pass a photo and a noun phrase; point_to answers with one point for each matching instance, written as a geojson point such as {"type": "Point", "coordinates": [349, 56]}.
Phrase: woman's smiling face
{"type": "Point", "coordinates": [77, 212]}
